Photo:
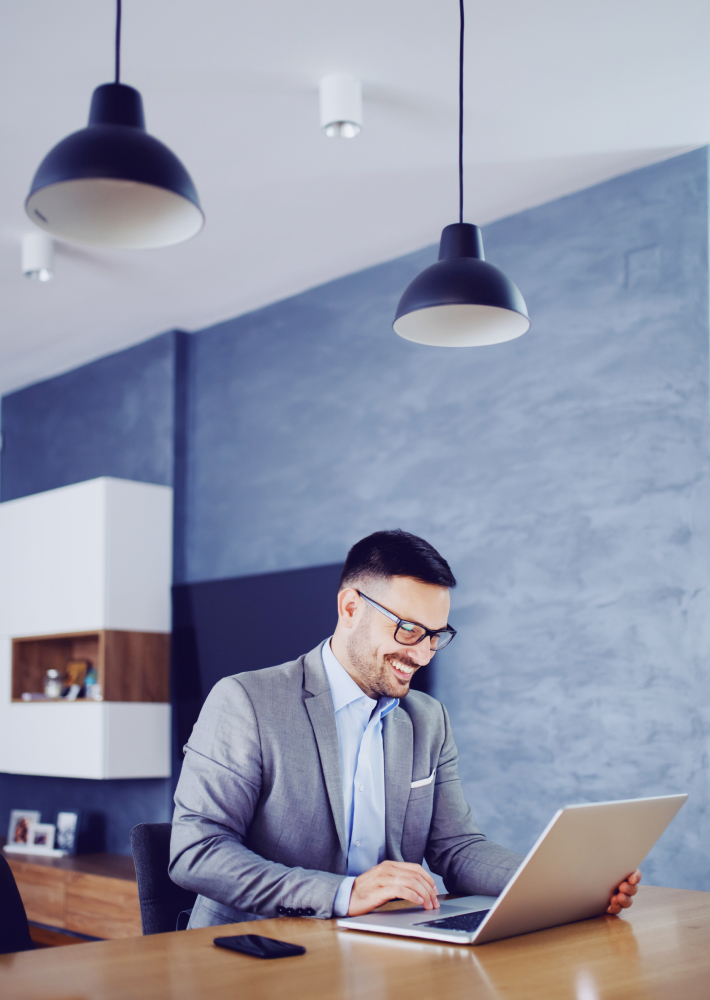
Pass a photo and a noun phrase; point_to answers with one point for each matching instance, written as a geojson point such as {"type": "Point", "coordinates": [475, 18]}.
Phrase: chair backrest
{"type": "Point", "coordinates": [161, 900]}
{"type": "Point", "coordinates": [14, 929]}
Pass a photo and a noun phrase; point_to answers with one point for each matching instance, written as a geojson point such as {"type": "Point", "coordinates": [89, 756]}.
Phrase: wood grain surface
{"type": "Point", "coordinates": [131, 666]}
{"type": "Point", "coordinates": [42, 891]}
{"type": "Point", "coordinates": [109, 865]}
{"type": "Point", "coordinates": [49, 937]}
{"type": "Point", "coordinates": [94, 894]}
{"type": "Point", "coordinates": [658, 949]}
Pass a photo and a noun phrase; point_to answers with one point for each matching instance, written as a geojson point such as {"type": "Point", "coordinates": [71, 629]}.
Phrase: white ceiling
{"type": "Point", "coordinates": [559, 95]}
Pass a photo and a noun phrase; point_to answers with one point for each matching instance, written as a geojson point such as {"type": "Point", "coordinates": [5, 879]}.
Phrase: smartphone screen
{"type": "Point", "coordinates": [259, 947]}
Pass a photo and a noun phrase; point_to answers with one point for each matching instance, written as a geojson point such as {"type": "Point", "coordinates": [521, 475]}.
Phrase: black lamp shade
{"type": "Point", "coordinates": [461, 301]}
{"type": "Point", "coordinates": [113, 185]}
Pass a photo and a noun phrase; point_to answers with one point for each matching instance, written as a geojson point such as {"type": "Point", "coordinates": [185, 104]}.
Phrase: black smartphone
{"type": "Point", "coordinates": [259, 947]}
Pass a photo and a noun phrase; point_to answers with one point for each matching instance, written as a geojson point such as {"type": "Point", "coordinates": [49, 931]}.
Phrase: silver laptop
{"type": "Point", "coordinates": [591, 847]}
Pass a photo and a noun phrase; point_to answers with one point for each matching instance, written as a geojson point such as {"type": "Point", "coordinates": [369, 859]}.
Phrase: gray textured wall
{"type": "Point", "coordinates": [565, 476]}
{"type": "Point", "coordinates": [113, 417]}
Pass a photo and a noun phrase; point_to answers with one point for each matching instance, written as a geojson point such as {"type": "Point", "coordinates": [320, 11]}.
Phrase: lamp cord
{"type": "Point", "coordinates": [118, 41]}
{"type": "Point", "coordinates": [460, 114]}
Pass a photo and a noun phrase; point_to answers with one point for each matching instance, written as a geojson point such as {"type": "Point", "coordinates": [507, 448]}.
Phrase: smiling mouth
{"type": "Point", "coordinates": [402, 672]}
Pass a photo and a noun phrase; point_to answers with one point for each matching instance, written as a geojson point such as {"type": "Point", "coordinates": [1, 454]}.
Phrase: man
{"type": "Point", "coordinates": [318, 787]}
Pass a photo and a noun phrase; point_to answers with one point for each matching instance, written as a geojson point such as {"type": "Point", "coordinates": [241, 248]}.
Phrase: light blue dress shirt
{"type": "Point", "coordinates": [362, 761]}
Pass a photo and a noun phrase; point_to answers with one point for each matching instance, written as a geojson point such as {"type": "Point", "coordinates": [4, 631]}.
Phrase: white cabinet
{"type": "Point", "coordinates": [95, 557]}
{"type": "Point", "coordinates": [90, 556]}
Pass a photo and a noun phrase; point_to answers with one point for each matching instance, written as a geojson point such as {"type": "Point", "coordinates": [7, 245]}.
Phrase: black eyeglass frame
{"type": "Point", "coordinates": [428, 632]}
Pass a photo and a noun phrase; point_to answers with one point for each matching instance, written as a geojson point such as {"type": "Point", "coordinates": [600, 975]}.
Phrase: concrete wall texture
{"type": "Point", "coordinates": [113, 417]}
{"type": "Point", "coordinates": [565, 477]}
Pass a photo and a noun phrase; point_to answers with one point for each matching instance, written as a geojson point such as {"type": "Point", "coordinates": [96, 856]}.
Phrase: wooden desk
{"type": "Point", "coordinates": [660, 949]}
{"type": "Point", "coordinates": [94, 894]}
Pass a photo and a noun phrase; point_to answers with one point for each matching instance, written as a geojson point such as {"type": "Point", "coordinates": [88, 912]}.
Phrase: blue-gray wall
{"type": "Point", "coordinates": [564, 475]}
{"type": "Point", "coordinates": [113, 417]}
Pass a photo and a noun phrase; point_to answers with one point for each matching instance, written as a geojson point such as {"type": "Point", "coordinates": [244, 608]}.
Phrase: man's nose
{"type": "Point", "coordinates": [422, 652]}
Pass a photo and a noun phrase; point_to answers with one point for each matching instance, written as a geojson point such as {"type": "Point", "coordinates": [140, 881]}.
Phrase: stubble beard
{"type": "Point", "coordinates": [376, 675]}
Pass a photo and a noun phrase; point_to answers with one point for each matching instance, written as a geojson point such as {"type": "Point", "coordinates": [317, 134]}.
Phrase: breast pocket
{"type": "Point", "coordinates": [424, 781]}
{"type": "Point", "coordinates": [417, 820]}
{"type": "Point", "coordinates": [422, 788]}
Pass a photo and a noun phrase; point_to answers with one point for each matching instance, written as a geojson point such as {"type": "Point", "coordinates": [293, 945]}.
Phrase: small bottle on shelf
{"type": "Point", "coordinates": [92, 686]}
{"type": "Point", "coordinates": [52, 684]}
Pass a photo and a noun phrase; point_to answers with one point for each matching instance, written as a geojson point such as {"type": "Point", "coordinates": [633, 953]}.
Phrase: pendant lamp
{"type": "Point", "coordinates": [461, 301]}
{"type": "Point", "coordinates": [111, 184]}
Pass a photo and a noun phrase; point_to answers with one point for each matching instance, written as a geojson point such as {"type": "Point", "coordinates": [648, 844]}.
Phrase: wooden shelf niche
{"type": "Point", "coordinates": [131, 666]}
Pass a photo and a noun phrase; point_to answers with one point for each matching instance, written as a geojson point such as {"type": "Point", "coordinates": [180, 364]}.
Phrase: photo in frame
{"type": "Point", "coordinates": [41, 837]}
{"type": "Point", "coordinates": [20, 822]}
{"type": "Point", "coordinates": [26, 835]}
{"type": "Point", "coordinates": [67, 830]}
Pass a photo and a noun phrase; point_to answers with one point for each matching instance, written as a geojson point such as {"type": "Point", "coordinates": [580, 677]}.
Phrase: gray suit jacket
{"type": "Point", "coordinates": [259, 819]}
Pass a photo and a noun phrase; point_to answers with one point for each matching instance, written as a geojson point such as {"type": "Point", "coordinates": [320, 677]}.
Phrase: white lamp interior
{"type": "Point", "coordinates": [461, 326]}
{"type": "Point", "coordinates": [340, 105]}
{"type": "Point", "coordinates": [125, 215]}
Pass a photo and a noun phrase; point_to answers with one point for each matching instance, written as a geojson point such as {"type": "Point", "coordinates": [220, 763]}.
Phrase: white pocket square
{"type": "Point", "coordinates": [424, 781]}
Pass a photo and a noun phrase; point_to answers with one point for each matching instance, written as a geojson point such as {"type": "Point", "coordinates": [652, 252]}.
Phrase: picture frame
{"type": "Point", "coordinates": [27, 835]}
{"type": "Point", "coordinates": [41, 837]}
{"type": "Point", "coordinates": [20, 822]}
{"type": "Point", "coordinates": [67, 831]}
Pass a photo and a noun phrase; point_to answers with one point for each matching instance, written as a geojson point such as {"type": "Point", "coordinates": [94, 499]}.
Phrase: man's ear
{"type": "Point", "coordinates": [348, 606]}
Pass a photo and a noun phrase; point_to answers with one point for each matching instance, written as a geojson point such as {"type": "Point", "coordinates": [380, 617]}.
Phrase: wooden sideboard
{"type": "Point", "coordinates": [91, 894]}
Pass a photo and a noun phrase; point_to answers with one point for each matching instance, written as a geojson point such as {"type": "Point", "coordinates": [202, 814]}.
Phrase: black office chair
{"type": "Point", "coordinates": [14, 929]}
{"type": "Point", "coordinates": [163, 903]}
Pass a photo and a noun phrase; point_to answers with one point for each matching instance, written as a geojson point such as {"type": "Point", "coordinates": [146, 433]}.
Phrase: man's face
{"type": "Point", "coordinates": [381, 665]}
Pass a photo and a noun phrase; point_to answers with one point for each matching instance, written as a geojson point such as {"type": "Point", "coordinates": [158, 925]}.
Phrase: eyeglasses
{"type": "Point", "coordinates": [412, 633]}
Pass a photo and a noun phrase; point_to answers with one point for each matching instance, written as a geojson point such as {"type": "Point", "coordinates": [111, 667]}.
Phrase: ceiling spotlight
{"type": "Point", "coordinates": [340, 106]}
{"type": "Point", "coordinates": [111, 184]}
{"type": "Point", "coordinates": [38, 256]}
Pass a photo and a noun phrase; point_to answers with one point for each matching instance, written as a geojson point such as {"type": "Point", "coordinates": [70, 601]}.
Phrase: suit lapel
{"type": "Point", "coordinates": [399, 753]}
{"type": "Point", "coordinates": [322, 716]}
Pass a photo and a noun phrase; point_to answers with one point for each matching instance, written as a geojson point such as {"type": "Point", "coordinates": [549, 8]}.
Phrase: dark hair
{"type": "Point", "coordinates": [396, 553]}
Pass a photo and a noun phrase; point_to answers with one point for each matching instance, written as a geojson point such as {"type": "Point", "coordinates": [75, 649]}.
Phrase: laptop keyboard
{"type": "Point", "coordinates": [461, 922]}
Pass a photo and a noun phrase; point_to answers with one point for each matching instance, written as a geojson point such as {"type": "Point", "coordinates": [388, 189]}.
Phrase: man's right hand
{"type": "Point", "coordinates": [392, 880]}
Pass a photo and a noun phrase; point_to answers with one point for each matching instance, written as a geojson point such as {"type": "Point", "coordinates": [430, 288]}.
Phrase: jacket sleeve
{"type": "Point", "coordinates": [456, 849]}
{"type": "Point", "coordinates": [215, 799]}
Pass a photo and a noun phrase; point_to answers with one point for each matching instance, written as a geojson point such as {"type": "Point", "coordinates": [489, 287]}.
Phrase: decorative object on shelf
{"type": "Point", "coordinates": [111, 184]}
{"type": "Point", "coordinates": [41, 835]}
{"type": "Point", "coordinates": [92, 688]}
{"type": "Point", "coordinates": [111, 665]}
{"type": "Point", "coordinates": [38, 256]}
{"type": "Point", "coordinates": [52, 684]}
{"type": "Point", "coordinates": [20, 822]}
{"type": "Point", "coordinates": [67, 827]}
{"type": "Point", "coordinates": [341, 106]}
{"type": "Point", "coordinates": [73, 679]}
{"type": "Point", "coordinates": [27, 835]}
{"type": "Point", "coordinates": [461, 301]}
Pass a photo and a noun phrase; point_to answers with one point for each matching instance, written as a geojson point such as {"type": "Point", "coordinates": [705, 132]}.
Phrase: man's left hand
{"type": "Point", "coordinates": [623, 896]}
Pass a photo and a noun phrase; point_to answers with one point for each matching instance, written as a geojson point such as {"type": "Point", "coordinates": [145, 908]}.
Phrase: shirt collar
{"type": "Point", "coordinates": [343, 688]}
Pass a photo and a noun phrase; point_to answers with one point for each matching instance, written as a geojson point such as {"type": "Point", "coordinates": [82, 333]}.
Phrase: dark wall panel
{"type": "Point", "coordinates": [223, 627]}
{"type": "Point", "coordinates": [108, 809]}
